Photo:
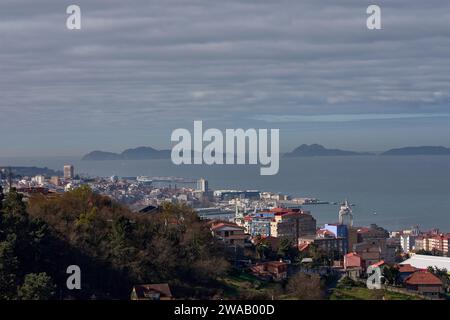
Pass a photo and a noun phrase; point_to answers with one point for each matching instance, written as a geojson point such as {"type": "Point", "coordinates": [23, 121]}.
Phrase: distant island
{"type": "Point", "coordinates": [413, 151]}
{"type": "Point", "coordinates": [139, 153]}
{"type": "Point", "coordinates": [305, 150]}
{"type": "Point", "coordinates": [316, 150]}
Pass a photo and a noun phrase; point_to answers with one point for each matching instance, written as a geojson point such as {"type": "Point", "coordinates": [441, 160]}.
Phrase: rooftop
{"type": "Point", "coordinates": [422, 261]}
{"type": "Point", "coordinates": [406, 268]}
{"type": "Point", "coordinates": [421, 277]}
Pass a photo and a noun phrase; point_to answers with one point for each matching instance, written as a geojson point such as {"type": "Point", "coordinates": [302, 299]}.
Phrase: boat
{"type": "Point", "coordinates": [144, 180]}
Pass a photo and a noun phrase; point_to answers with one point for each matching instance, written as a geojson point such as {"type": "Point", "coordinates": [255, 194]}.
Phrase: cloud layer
{"type": "Point", "coordinates": [139, 69]}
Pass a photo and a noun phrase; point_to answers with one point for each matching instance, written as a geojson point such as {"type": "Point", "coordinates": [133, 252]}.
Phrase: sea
{"type": "Point", "coordinates": [395, 192]}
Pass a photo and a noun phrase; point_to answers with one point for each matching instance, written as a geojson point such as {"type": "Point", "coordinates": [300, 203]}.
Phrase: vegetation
{"type": "Point", "coordinates": [441, 274]}
{"type": "Point", "coordinates": [362, 293]}
{"type": "Point", "coordinates": [391, 275]}
{"type": "Point", "coordinates": [114, 248]}
{"type": "Point", "coordinates": [242, 285]}
{"type": "Point", "coordinates": [304, 286]}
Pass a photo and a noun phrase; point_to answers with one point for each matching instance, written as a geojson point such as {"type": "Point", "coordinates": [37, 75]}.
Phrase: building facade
{"type": "Point", "coordinates": [69, 171]}
{"type": "Point", "coordinates": [292, 225]}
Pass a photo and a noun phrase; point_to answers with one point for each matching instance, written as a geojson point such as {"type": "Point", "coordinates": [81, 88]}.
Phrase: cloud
{"type": "Point", "coordinates": [141, 68]}
{"type": "Point", "coordinates": [346, 117]}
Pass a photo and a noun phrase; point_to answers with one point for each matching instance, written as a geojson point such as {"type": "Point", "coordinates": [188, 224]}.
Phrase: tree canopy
{"type": "Point", "coordinates": [114, 247]}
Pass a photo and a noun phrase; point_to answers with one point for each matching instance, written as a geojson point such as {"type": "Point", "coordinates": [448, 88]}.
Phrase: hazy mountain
{"type": "Point", "coordinates": [139, 153]}
{"type": "Point", "coordinates": [305, 150]}
{"type": "Point", "coordinates": [143, 153]}
{"type": "Point", "coordinates": [102, 155]}
{"type": "Point", "coordinates": [423, 150]}
{"type": "Point", "coordinates": [315, 150]}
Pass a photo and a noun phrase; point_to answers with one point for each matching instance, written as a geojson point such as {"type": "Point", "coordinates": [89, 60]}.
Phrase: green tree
{"type": "Point", "coordinates": [14, 216]}
{"type": "Point", "coordinates": [391, 274]}
{"type": "Point", "coordinates": [37, 286]}
{"type": "Point", "coordinates": [441, 274]}
{"type": "Point", "coordinates": [8, 269]}
{"type": "Point", "coordinates": [285, 248]}
{"type": "Point", "coordinates": [262, 248]}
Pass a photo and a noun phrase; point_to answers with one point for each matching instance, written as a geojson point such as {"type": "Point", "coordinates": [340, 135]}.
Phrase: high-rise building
{"type": "Point", "coordinates": [202, 185]}
{"type": "Point", "coordinates": [68, 171]}
{"type": "Point", "coordinates": [407, 242]}
{"type": "Point", "coordinates": [292, 224]}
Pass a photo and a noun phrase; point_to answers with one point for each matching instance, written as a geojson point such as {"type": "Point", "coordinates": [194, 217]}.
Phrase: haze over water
{"type": "Point", "coordinates": [403, 191]}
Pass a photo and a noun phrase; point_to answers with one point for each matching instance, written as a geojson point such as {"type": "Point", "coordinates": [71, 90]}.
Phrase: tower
{"type": "Point", "coordinates": [202, 185]}
{"type": "Point", "coordinates": [346, 212]}
{"type": "Point", "coordinates": [68, 171]}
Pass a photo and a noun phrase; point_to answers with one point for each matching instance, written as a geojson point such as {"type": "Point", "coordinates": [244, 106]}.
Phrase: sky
{"type": "Point", "coordinates": [139, 69]}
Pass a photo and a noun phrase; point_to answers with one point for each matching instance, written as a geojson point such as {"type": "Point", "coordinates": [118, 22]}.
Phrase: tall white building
{"type": "Point", "coordinates": [39, 179]}
{"type": "Point", "coordinates": [202, 185]}
{"type": "Point", "coordinates": [345, 214]}
{"type": "Point", "coordinates": [407, 242]}
{"type": "Point", "coordinates": [68, 171]}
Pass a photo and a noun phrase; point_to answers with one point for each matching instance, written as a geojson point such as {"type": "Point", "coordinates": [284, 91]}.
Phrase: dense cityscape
{"type": "Point", "coordinates": [271, 238]}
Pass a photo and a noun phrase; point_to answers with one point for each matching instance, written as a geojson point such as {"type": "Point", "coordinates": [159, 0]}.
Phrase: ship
{"type": "Point", "coordinates": [144, 179]}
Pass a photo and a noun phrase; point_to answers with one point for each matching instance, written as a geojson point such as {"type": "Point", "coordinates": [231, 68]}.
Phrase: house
{"type": "Point", "coordinates": [424, 283]}
{"type": "Point", "coordinates": [353, 265]}
{"type": "Point", "coordinates": [156, 291]}
{"type": "Point", "coordinates": [370, 252]}
{"type": "Point", "coordinates": [229, 233]}
{"type": "Point", "coordinates": [405, 270]}
{"type": "Point", "coordinates": [352, 260]}
{"type": "Point", "coordinates": [276, 270]}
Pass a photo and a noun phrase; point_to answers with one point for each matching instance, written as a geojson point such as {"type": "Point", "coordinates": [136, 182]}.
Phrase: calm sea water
{"type": "Point", "coordinates": [403, 191]}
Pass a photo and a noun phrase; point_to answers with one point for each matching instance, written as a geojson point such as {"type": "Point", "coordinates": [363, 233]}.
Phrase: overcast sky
{"type": "Point", "coordinates": [139, 69]}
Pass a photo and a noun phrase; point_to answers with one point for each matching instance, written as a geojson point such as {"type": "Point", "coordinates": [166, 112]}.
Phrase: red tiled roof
{"type": "Point", "coordinates": [324, 232]}
{"type": "Point", "coordinates": [379, 263]}
{"type": "Point", "coordinates": [303, 246]}
{"type": "Point", "coordinates": [420, 277]}
{"type": "Point", "coordinates": [225, 224]}
{"type": "Point", "coordinates": [406, 268]}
